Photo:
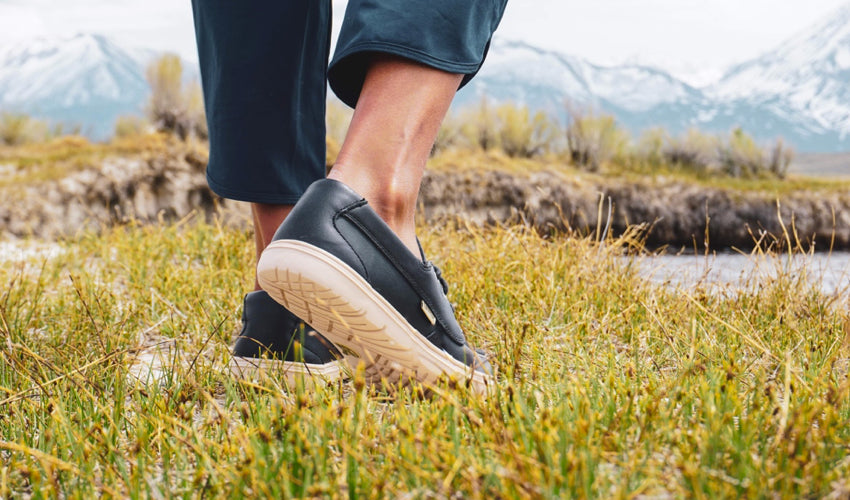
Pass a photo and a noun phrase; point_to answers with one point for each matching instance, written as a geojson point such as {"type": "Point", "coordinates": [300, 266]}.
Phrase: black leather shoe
{"type": "Point", "coordinates": [273, 340]}
{"type": "Point", "coordinates": [337, 265]}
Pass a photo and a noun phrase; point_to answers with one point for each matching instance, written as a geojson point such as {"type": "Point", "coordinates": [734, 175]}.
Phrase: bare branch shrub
{"type": "Point", "coordinates": [694, 151]}
{"type": "Point", "coordinates": [17, 129]}
{"type": "Point", "coordinates": [172, 107]}
{"type": "Point", "coordinates": [523, 135]}
{"type": "Point", "coordinates": [594, 139]}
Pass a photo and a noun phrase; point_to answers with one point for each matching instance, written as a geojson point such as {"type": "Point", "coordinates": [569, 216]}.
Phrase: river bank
{"type": "Point", "coordinates": [676, 214]}
{"type": "Point", "coordinates": [167, 182]}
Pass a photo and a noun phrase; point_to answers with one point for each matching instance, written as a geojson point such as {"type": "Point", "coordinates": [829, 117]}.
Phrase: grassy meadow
{"type": "Point", "coordinates": [114, 349]}
{"type": "Point", "coordinates": [114, 345]}
{"type": "Point", "coordinates": [114, 382]}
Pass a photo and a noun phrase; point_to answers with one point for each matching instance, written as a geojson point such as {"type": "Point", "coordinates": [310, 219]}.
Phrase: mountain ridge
{"type": "Point", "coordinates": [808, 75]}
{"type": "Point", "coordinates": [641, 96]}
{"type": "Point", "coordinates": [84, 79]}
{"type": "Point", "coordinates": [796, 91]}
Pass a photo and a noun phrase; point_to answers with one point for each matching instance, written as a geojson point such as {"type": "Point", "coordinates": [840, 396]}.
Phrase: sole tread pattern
{"type": "Point", "coordinates": [304, 279]}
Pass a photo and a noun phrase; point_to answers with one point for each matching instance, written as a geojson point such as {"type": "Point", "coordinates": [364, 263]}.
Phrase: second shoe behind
{"type": "Point", "coordinates": [274, 340]}
{"type": "Point", "coordinates": [340, 268]}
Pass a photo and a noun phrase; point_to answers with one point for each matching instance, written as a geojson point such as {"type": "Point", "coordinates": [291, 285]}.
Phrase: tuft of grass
{"type": "Point", "coordinates": [609, 386]}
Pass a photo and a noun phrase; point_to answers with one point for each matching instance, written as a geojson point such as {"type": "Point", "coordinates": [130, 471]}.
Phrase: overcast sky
{"type": "Point", "coordinates": [695, 38]}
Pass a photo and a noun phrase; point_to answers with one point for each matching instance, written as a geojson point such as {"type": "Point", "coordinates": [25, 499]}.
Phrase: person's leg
{"type": "Point", "coordinates": [263, 68]}
{"type": "Point", "coordinates": [346, 259]}
{"type": "Point", "coordinates": [391, 135]}
{"type": "Point", "coordinates": [399, 64]}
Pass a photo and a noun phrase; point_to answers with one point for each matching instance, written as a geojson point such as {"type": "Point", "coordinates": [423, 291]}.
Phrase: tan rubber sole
{"type": "Point", "coordinates": [246, 368]}
{"type": "Point", "coordinates": [342, 306]}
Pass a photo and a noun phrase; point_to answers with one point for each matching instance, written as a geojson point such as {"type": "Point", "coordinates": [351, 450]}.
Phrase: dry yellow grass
{"type": "Point", "coordinates": [609, 386]}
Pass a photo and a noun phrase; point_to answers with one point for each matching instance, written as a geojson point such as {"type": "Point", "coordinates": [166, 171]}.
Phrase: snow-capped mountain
{"type": "Point", "coordinates": [639, 96]}
{"type": "Point", "coordinates": [807, 78]}
{"type": "Point", "coordinates": [84, 79]}
{"type": "Point", "coordinates": [545, 79]}
{"type": "Point", "coordinates": [800, 91]}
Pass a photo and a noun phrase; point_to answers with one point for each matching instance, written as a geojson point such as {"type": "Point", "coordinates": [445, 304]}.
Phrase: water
{"type": "Point", "coordinates": [828, 272]}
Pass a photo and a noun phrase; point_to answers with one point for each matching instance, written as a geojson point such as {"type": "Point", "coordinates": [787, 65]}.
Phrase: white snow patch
{"type": "Point", "coordinates": [842, 58]}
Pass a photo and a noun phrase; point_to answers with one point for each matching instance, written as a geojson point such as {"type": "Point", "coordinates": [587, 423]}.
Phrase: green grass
{"type": "Point", "coordinates": [609, 387]}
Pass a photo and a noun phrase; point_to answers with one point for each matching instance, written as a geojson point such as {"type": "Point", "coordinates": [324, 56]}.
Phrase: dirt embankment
{"type": "Point", "coordinates": [170, 185]}
{"type": "Point", "coordinates": [677, 212]}
{"type": "Point", "coordinates": [145, 187]}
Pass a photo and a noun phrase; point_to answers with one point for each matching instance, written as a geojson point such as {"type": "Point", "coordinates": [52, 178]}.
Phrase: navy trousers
{"type": "Point", "coordinates": [264, 70]}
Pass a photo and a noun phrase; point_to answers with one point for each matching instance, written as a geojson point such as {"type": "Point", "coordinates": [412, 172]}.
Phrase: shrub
{"type": "Point", "coordinates": [449, 135]}
{"type": "Point", "coordinates": [172, 107]}
{"type": "Point", "coordinates": [17, 129]}
{"type": "Point", "coordinates": [337, 119]}
{"type": "Point", "coordinates": [129, 126]}
{"type": "Point", "coordinates": [594, 139]}
{"type": "Point", "coordinates": [781, 157]}
{"type": "Point", "coordinates": [737, 155]}
{"type": "Point", "coordinates": [64, 129]}
{"type": "Point", "coordinates": [650, 147]}
{"type": "Point", "coordinates": [195, 113]}
{"type": "Point", "coordinates": [740, 156]}
{"type": "Point", "coordinates": [510, 127]}
{"type": "Point", "coordinates": [523, 135]}
{"type": "Point", "coordinates": [479, 128]}
{"type": "Point", "coordinates": [694, 151]}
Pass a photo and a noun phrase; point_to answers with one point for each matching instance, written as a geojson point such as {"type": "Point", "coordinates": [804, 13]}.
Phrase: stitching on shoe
{"type": "Point", "coordinates": [412, 282]}
{"type": "Point", "coordinates": [341, 213]}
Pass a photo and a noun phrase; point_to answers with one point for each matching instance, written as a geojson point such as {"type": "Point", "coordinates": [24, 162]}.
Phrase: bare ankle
{"type": "Point", "coordinates": [395, 204]}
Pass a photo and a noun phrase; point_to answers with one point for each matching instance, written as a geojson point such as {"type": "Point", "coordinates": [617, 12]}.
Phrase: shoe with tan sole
{"type": "Point", "coordinates": [339, 267]}
{"type": "Point", "coordinates": [274, 342]}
